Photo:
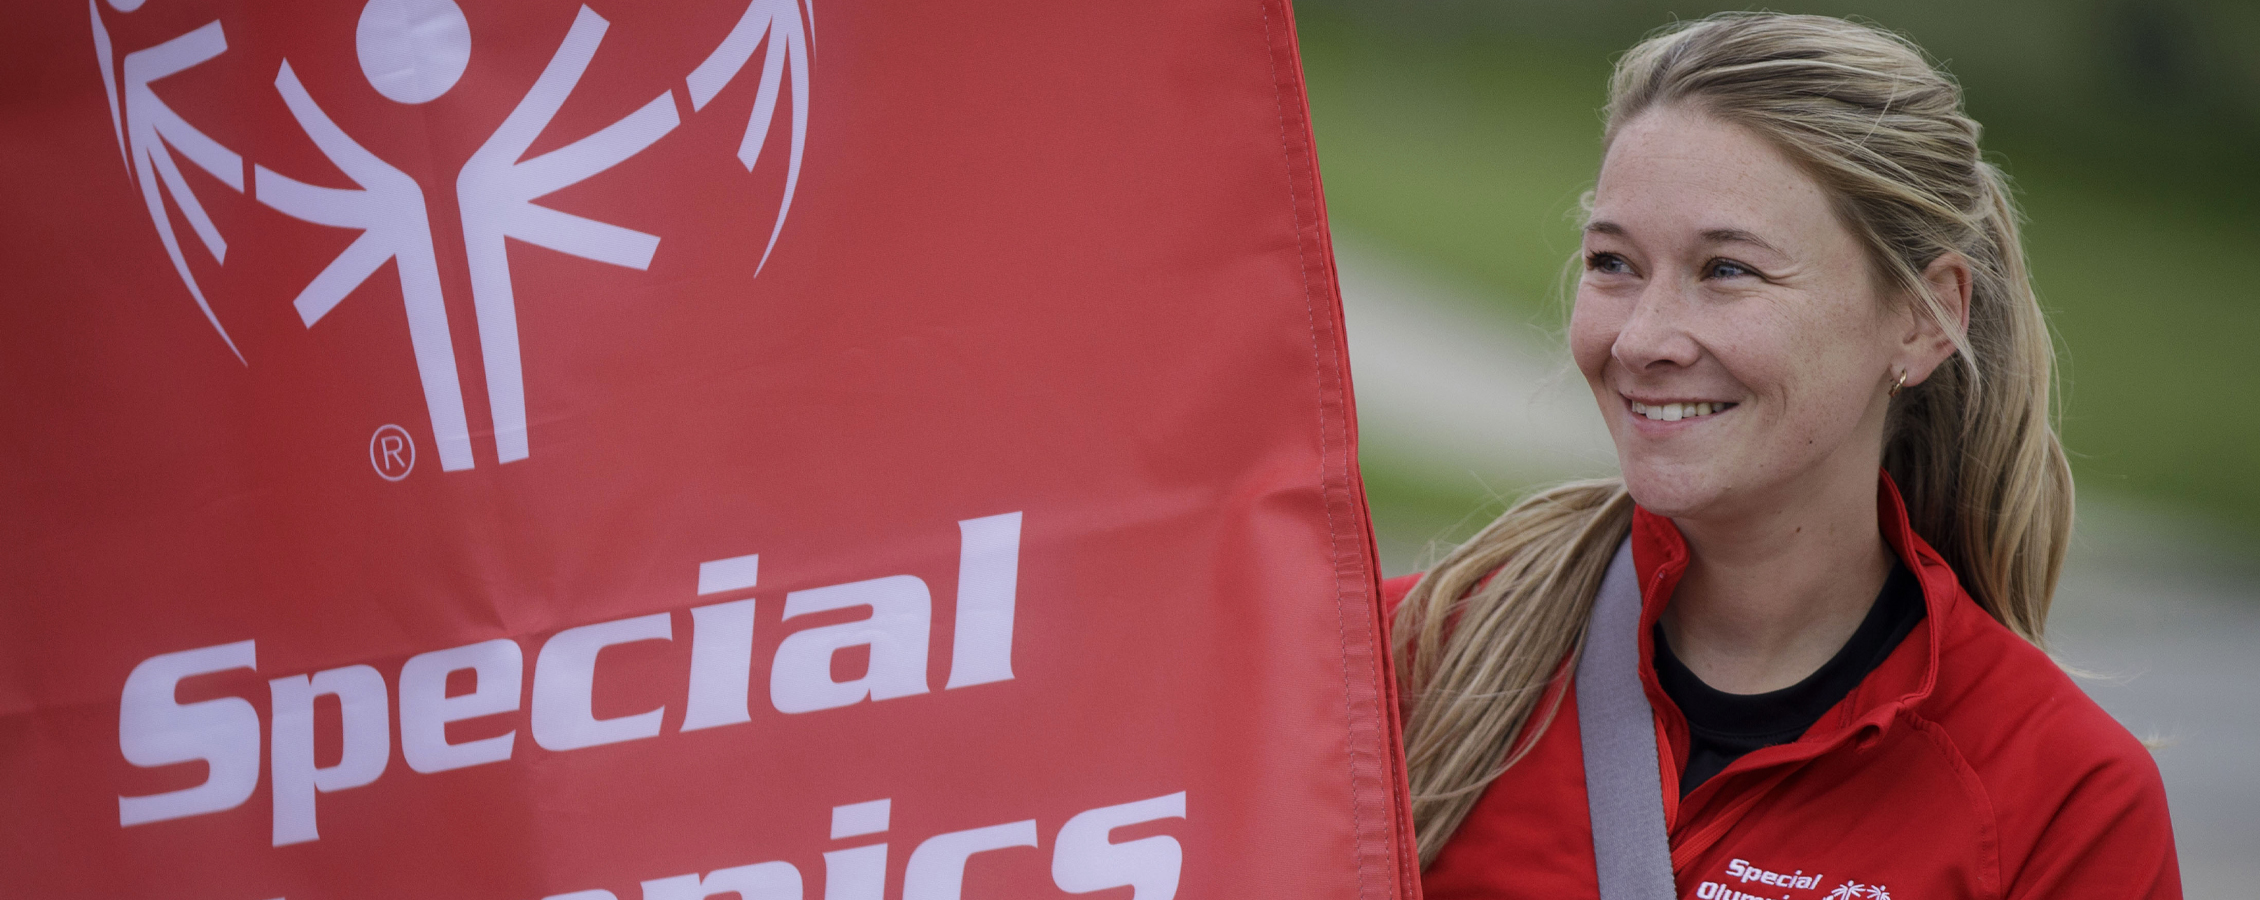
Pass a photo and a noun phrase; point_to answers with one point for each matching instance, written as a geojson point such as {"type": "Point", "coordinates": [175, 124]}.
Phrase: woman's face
{"type": "Point", "coordinates": [1728, 323]}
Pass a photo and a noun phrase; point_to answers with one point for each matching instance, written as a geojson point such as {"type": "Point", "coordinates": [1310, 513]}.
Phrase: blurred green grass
{"type": "Point", "coordinates": [1469, 152]}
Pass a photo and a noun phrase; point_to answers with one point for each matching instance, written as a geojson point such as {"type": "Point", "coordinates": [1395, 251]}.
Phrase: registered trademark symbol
{"type": "Point", "coordinates": [392, 452]}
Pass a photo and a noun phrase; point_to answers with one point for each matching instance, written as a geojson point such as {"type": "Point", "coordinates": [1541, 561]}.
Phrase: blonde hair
{"type": "Point", "coordinates": [1491, 629]}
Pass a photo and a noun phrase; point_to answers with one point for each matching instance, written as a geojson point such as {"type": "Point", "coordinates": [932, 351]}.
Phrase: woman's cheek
{"type": "Point", "coordinates": [1592, 332]}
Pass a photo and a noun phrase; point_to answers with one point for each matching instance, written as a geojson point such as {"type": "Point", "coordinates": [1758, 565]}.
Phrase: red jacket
{"type": "Point", "coordinates": [1967, 765]}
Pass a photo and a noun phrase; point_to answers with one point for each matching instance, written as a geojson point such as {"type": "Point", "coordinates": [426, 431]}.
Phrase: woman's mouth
{"type": "Point", "coordinates": [1673, 412]}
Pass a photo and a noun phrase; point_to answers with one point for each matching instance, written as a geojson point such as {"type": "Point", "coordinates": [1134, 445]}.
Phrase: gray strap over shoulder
{"type": "Point", "coordinates": [1623, 786]}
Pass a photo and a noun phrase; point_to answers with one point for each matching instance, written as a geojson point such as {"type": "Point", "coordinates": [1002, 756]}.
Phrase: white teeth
{"type": "Point", "coordinates": [1673, 412]}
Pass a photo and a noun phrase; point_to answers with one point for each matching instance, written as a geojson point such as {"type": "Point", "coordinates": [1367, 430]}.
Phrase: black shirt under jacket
{"type": "Point", "coordinates": [1721, 727]}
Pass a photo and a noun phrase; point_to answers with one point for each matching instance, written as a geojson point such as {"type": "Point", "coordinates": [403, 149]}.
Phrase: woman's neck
{"type": "Point", "coordinates": [1772, 593]}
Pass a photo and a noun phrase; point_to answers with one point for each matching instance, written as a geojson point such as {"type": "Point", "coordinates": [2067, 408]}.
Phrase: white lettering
{"type": "Point", "coordinates": [800, 678]}
{"type": "Point", "coordinates": [937, 867]}
{"type": "Point", "coordinates": [721, 664]}
{"type": "Point", "coordinates": [1084, 861]}
{"type": "Point", "coordinates": [859, 819]}
{"type": "Point", "coordinates": [565, 683]}
{"type": "Point", "coordinates": [1746, 873]}
{"type": "Point", "coordinates": [154, 729]}
{"type": "Point", "coordinates": [858, 873]}
{"type": "Point", "coordinates": [425, 708]}
{"type": "Point", "coordinates": [365, 736]}
{"type": "Point", "coordinates": [760, 881]}
{"type": "Point", "coordinates": [737, 573]}
{"type": "Point", "coordinates": [988, 571]}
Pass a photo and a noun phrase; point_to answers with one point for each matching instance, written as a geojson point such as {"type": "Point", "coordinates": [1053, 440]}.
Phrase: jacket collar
{"type": "Point", "coordinates": [1660, 556]}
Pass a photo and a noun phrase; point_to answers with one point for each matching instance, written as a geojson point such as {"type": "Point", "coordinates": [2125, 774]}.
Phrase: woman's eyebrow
{"type": "Point", "coordinates": [1605, 227]}
{"type": "Point", "coordinates": [1738, 236]}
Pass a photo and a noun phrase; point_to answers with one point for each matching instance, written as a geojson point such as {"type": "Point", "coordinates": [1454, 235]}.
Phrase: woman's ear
{"type": "Point", "coordinates": [1947, 282]}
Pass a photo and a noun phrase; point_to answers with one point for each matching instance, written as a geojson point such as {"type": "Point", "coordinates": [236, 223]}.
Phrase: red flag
{"type": "Point", "coordinates": [791, 447]}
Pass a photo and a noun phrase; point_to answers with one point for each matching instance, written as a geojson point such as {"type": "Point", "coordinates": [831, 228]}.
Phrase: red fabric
{"type": "Point", "coordinates": [1967, 765]}
{"type": "Point", "coordinates": [943, 404]}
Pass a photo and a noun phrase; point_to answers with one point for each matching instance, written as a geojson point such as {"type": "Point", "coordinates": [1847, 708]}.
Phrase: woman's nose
{"type": "Point", "coordinates": [1654, 332]}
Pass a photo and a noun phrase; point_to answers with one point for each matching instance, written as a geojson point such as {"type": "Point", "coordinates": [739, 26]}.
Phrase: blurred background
{"type": "Point", "coordinates": [1455, 137]}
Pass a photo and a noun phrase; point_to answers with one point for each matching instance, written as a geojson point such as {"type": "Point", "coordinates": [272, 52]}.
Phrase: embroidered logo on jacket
{"type": "Point", "coordinates": [1741, 873]}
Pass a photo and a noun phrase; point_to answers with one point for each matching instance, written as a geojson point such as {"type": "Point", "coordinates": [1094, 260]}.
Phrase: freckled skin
{"type": "Point", "coordinates": [1717, 271]}
{"type": "Point", "coordinates": [1799, 342]}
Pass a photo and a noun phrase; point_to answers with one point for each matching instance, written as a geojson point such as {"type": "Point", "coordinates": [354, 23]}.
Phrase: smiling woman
{"type": "Point", "coordinates": [1805, 317]}
{"type": "Point", "coordinates": [1733, 327]}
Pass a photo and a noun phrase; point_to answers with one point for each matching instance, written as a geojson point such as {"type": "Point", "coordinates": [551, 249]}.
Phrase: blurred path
{"type": "Point", "coordinates": [1442, 385]}
{"type": "Point", "coordinates": [2169, 616]}
{"type": "Point", "coordinates": [2171, 624]}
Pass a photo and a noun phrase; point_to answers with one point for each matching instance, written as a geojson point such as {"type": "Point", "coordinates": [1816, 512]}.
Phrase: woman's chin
{"type": "Point", "coordinates": [1673, 491]}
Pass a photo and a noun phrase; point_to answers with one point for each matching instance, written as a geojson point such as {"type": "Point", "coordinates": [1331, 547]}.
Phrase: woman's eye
{"type": "Point", "coordinates": [1609, 263]}
{"type": "Point", "coordinates": [1720, 268]}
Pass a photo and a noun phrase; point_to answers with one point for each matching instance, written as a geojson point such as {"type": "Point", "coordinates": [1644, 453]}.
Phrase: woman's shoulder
{"type": "Point", "coordinates": [1997, 692]}
{"type": "Point", "coordinates": [2068, 784]}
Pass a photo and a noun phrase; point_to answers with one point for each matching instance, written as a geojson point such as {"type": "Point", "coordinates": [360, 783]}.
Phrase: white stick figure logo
{"type": "Point", "coordinates": [411, 52]}
{"type": "Point", "coordinates": [788, 37]}
{"type": "Point", "coordinates": [147, 126]}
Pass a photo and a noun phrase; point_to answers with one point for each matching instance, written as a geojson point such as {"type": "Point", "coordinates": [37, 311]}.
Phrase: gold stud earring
{"type": "Point", "coordinates": [1896, 385]}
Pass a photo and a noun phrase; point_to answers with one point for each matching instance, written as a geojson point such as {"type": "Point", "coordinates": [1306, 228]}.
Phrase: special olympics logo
{"type": "Point", "coordinates": [411, 52]}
